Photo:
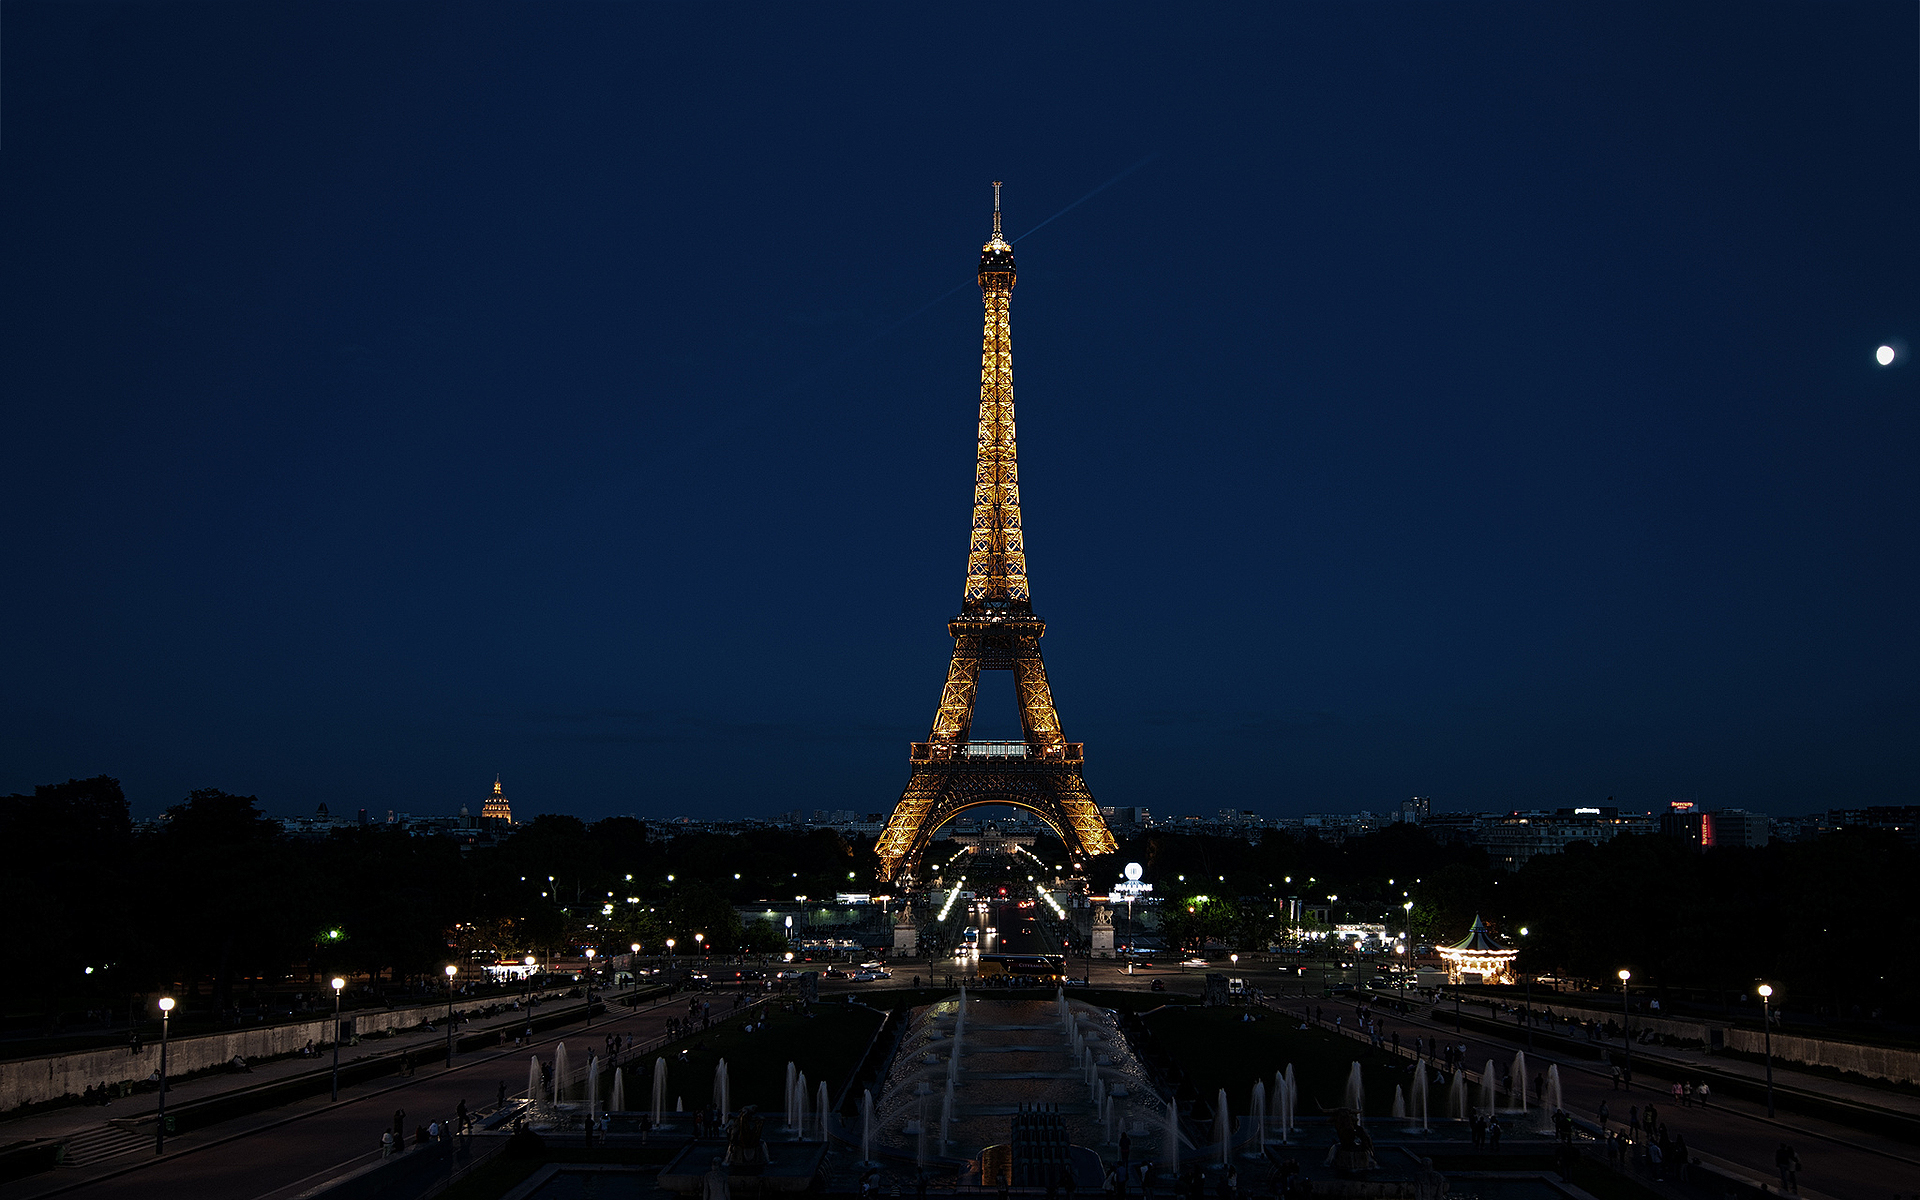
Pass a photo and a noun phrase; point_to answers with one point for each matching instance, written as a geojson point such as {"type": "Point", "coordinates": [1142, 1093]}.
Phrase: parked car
{"type": "Point", "coordinates": [789, 974]}
{"type": "Point", "coordinates": [864, 977]}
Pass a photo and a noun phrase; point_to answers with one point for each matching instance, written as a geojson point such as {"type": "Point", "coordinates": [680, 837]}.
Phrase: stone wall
{"type": "Point", "coordinates": [34, 1080]}
{"type": "Point", "coordinates": [1875, 1062]}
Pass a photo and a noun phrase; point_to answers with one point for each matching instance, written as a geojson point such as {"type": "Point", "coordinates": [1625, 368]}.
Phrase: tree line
{"type": "Point", "coordinates": [216, 901]}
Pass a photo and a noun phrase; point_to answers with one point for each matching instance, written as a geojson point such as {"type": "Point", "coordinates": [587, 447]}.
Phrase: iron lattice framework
{"type": "Point", "coordinates": [995, 631]}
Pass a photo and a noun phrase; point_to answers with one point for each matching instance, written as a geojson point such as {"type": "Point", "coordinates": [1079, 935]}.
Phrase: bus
{"type": "Point", "coordinates": [1024, 968]}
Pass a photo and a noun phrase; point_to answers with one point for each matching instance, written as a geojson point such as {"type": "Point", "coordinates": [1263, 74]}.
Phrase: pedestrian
{"type": "Point", "coordinates": [1493, 1136]}
{"type": "Point", "coordinates": [386, 1143]}
{"type": "Point", "coordinates": [1604, 1116]}
{"type": "Point", "coordinates": [1700, 1094]}
{"type": "Point", "coordinates": [400, 1128]}
{"type": "Point", "coordinates": [500, 1101]}
{"type": "Point", "coordinates": [1615, 1072]}
{"type": "Point", "coordinates": [1789, 1164]}
{"type": "Point", "coordinates": [1479, 1129]}
{"type": "Point", "coordinates": [1656, 1161]}
{"type": "Point", "coordinates": [460, 1118]}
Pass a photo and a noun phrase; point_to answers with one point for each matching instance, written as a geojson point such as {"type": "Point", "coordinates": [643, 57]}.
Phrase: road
{"type": "Point", "coordinates": [287, 1150]}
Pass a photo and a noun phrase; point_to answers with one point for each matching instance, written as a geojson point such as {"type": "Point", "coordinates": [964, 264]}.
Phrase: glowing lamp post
{"type": "Point", "coordinates": [1626, 1026]}
{"type": "Point", "coordinates": [160, 1126]}
{"type": "Point", "coordinates": [451, 972]}
{"type": "Point", "coordinates": [338, 983]}
{"type": "Point", "coordinates": [1408, 906]}
{"type": "Point", "coordinates": [1766, 1024]}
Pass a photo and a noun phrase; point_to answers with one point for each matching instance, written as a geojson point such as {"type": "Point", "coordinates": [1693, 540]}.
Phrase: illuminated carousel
{"type": "Point", "coordinates": [1478, 954]}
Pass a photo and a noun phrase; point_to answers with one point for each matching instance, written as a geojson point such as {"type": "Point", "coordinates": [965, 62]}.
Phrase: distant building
{"type": "Point", "coordinates": [496, 807]}
{"type": "Point", "coordinates": [1904, 821]}
{"type": "Point", "coordinates": [1416, 810]}
{"type": "Point", "coordinates": [1512, 840]}
{"type": "Point", "coordinates": [1738, 827]}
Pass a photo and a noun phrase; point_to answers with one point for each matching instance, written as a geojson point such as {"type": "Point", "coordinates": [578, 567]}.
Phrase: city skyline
{"type": "Point", "coordinates": [1440, 425]}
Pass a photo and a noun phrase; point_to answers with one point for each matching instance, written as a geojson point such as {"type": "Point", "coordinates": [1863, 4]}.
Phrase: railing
{"type": "Point", "coordinates": [940, 751]}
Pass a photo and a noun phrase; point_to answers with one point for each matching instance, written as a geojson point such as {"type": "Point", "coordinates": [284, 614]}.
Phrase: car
{"type": "Point", "coordinates": [833, 973]}
{"type": "Point", "coordinates": [872, 965]}
{"type": "Point", "coordinates": [789, 974]}
{"type": "Point", "coordinates": [1159, 985]}
{"type": "Point", "coordinates": [1196, 962]}
{"type": "Point", "coordinates": [882, 973]}
{"type": "Point", "coordinates": [864, 977]}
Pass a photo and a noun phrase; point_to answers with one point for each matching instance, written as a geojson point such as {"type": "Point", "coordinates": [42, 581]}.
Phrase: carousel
{"type": "Point", "coordinates": [1478, 954]}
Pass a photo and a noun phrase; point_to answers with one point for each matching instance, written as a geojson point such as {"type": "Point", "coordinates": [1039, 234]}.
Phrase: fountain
{"type": "Point", "coordinates": [946, 1116]}
{"type": "Point", "coordinates": [821, 1105]}
{"type": "Point", "coordinates": [1257, 1118]}
{"type": "Point", "coordinates": [1519, 1080]}
{"type": "Point", "coordinates": [619, 1090]}
{"type": "Point", "coordinates": [866, 1126]}
{"type": "Point", "coordinates": [1170, 1142]}
{"type": "Point", "coordinates": [722, 1088]}
{"type": "Point", "coordinates": [533, 1079]}
{"type": "Point", "coordinates": [1489, 1097]}
{"type": "Point", "coordinates": [559, 1071]}
{"type": "Point", "coordinates": [793, 1124]}
{"type": "Point", "coordinates": [659, 1089]}
{"type": "Point", "coordinates": [593, 1088]}
{"type": "Point", "coordinates": [1420, 1100]}
{"type": "Point", "coordinates": [1356, 1093]}
{"type": "Point", "coordinates": [1286, 1096]}
{"type": "Point", "coordinates": [1399, 1110]}
{"type": "Point", "coordinates": [1457, 1097]}
{"type": "Point", "coordinates": [1223, 1128]}
{"type": "Point", "coordinates": [800, 1106]}
{"type": "Point", "coordinates": [1551, 1101]}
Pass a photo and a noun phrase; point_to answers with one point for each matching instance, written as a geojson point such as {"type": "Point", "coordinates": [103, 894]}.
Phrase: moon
{"type": "Point", "coordinates": [1884, 356]}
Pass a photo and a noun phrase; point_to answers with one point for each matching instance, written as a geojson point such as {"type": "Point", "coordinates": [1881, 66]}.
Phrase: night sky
{"type": "Point", "coordinates": [1459, 400]}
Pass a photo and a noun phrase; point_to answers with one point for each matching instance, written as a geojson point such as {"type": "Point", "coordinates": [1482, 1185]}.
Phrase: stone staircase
{"type": "Point", "coordinates": [90, 1146]}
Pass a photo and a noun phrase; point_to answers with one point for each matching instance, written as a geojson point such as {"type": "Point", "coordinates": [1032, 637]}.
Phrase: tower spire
{"type": "Point", "coordinates": [996, 210]}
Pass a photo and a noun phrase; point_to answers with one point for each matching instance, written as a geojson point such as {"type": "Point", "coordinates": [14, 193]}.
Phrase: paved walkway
{"type": "Point", "coordinates": [1837, 1160]}
{"type": "Point", "coordinates": [1784, 1075]}
{"type": "Point", "coordinates": [80, 1119]}
{"type": "Point", "coordinates": [293, 1148]}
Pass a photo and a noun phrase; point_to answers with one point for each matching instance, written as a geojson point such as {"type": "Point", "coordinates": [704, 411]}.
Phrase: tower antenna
{"type": "Point", "coordinates": [996, 209]}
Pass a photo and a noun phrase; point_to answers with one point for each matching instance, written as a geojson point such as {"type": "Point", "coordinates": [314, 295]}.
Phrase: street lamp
{"type": "Point", "coordinates": [526, 992]}
{"type": "Point", "coordinates": [451, 972]}
{"type": "Point", "coordinates": [1626, 1026]}
{"type": "Point", "coordinates": [590, 987]}
{"type": "Point", "coordinates": [1408, 906]}
{"type": "Point", "coordinates": [699, 943]}
{"type": "Point", "coordinates": [338, 983]}
{"type": "Point", "coordinates": [160, 1126]}
{"type": "Point", "coordinates": [1766, 1024]}
{"type": "Point", "coordinates": [1523, 934]}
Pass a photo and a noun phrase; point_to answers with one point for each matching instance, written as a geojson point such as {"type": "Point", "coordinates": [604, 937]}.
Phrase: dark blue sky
{"type": "Point", "coordinates": [1474, 401]}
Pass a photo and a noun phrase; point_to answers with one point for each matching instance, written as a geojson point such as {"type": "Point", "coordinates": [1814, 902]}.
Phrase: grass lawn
{"type": "Point", "coordinates": [827, 1045]}
{"type": "Point", "coordinates": [1217, 1049]}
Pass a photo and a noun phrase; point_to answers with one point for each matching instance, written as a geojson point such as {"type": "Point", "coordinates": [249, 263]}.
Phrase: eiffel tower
{"type": "Point", "coordinates": [995, 631]}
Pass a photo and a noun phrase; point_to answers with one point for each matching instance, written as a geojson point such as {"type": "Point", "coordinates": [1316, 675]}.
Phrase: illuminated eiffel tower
{"type": "Point", "coordinates": [995, 631]}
